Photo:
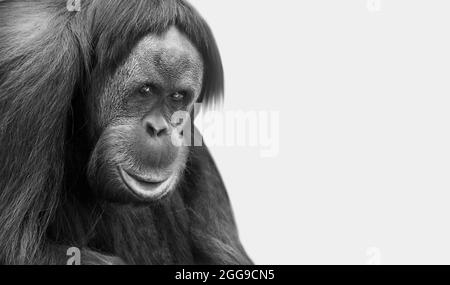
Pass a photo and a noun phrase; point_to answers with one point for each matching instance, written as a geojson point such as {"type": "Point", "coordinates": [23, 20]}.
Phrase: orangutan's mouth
{"type": "Point", "coordinates": [153, 188]}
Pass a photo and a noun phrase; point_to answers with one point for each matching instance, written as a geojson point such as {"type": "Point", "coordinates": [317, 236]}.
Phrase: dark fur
{"type": "Point", "coordinates": [48, 57]}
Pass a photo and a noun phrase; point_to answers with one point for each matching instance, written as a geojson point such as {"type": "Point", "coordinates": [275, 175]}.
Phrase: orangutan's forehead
{"type": "Point", "coordinates": [168, 56]}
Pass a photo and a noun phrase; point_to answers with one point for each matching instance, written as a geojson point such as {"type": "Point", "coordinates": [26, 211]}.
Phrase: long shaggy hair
{"type": "Point", "coordinates": [48, 57]}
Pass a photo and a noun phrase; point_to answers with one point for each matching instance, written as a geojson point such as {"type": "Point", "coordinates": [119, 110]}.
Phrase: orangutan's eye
{"type": "Point", "coordinates": [146, 90]}
{"type": "Point", "coordinates": [178, 96]}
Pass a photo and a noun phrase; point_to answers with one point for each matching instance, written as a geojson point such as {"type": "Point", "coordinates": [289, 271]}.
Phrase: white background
{"type": "Point", "coordinates": [363, 170]}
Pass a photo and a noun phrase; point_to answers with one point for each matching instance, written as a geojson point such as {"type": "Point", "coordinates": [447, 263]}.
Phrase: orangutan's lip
{"type": "Point", "coordinates": [145, 180]}
{"type": "Point", "coordinates": [145, 188]}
